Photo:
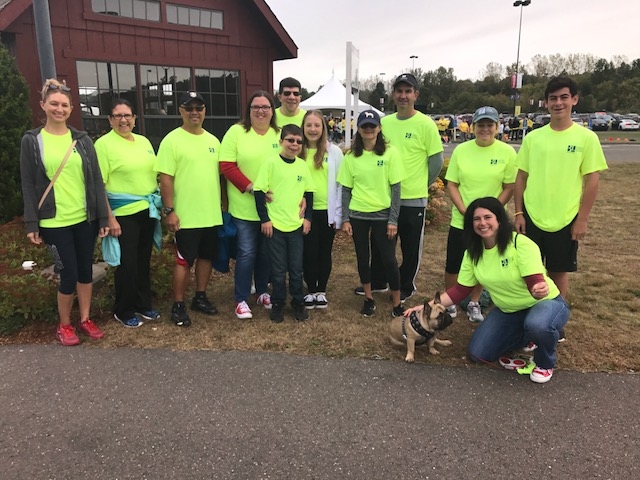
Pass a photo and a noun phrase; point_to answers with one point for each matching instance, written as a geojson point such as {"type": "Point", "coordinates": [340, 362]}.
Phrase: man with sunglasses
{"type": "Point", "coordinates": [416, 136]}
{"type": "Point", "coordinates": [289, 95]}
{"type": "Point", "coordinates": [190, 187]}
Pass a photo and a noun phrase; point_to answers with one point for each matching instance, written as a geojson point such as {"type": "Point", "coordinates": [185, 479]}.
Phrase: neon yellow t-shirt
{"type": "Point", "coordinates": [249, 150]}
{"type": "Point", "coordinates": [127, 167]}
{"type": "Point", "coordinates": [69, 189]}
{"type": "Point", "coordinates": [480, 172]}
{"type": "Point", "coordinates": [370, 177]}
{"type": "Point", "coordinates": [193, 162]}
{"type": "Point", "coordinates": [288, 182]}
{"type": "Point", "coordinates": [320, 177]}
{"type": "Point", "coordinates": [502, 275]}
{"type": "Point", "coordinates": [556, 162]}
{"type": "Point", "coordinates": [282, 120]}
{"type": "Point", "coordinates": [416, 138]}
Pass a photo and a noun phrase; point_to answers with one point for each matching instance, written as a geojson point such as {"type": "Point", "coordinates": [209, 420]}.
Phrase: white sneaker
{"type": "Point", "coordinates": [310, 301]}
{"type": "Point", "coordinates": [264, 300]}
{"type": "Point", "coordinates": [243, 311]}
{"type": "Point", "coordinates": [541, 375]}
{"type": "Point", "coordinates": [321, 300]}
{"type": "Point", "coordinates": [452, 311]}
{"type": "Point", "coordinates": [474, 313]}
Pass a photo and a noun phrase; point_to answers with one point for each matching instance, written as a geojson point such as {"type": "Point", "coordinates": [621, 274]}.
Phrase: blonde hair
{"type": "Point", "coordinates": [52, 85]}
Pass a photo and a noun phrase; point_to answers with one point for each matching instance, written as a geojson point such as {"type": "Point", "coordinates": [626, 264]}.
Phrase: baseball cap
{"type": "Point", "coordinates": [368, 117]}
{"type": "Point", "coordinates": [189, 97]}
{"type": "Point", "coordinates": [486, 112]}
{"type": "Point", "coordinates": [406, 78]}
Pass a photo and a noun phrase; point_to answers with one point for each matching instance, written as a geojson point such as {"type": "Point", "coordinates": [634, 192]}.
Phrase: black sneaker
{"type": "Point", "coordinates": [360, 290]}
{"type": "Point", "coordinates": [300, 312]}
{"type": "Point", "coordinates": [368, 307]}
{"type": "Point", "coordinates": [397, 311]}
{"type": "Point", "coordinates": [202, 304]}
{"type": "Point", "coordinates": [179, 315]}
{"type": "Point", "coordinates": [277, 313]}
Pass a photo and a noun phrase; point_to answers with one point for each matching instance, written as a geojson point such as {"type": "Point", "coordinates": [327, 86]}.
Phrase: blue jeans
{"type": "Point", "coordinates": [502, 332]}
{"type": "Point", "coordinates": [252, 259]}
{"type": "Point", "coordinates": [285, 250]}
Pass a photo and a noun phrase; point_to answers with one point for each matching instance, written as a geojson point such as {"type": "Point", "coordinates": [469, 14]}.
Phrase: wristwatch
{"type": "Point", "coordinates": [167, 210]}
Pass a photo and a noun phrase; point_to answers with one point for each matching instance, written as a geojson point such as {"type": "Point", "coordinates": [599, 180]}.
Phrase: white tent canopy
{"type": "Point", "coordinates": [332, 96]}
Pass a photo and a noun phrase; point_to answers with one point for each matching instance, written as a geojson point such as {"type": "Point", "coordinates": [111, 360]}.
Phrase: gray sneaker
{"type": "Point", "coordinates": [474, 312]}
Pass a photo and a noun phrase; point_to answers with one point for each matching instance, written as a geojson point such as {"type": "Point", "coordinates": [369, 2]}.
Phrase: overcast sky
{"type": "Point", "coordinates": [461, 34]}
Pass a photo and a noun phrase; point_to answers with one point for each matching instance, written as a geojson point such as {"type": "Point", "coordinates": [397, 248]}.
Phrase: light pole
{"type": "Point", "coordinates": [514, 82]}
{"type": "Point", "coordinates": [413, 61]}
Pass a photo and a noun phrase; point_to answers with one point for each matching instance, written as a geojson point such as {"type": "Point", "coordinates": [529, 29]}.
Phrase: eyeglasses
{"type": "Point", "coordinates": [288, 93]}
{"type": "Point", "coordinates": [63, 88]}
{"type": "Point", "coordinates": [294, 140]}
{"type": "Point", "coordinates": [191, 108]}
{"type": "Point", "coordinates": [257, 108]}
{"type": "Point", "coordinates": [120, 116]}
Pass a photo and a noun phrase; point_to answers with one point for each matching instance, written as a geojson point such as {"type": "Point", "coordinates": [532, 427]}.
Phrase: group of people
{"type": "Point", "coordinates": [287, 190]}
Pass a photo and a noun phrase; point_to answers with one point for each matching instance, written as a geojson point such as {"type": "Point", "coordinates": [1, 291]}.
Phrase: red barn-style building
{"type": "Point", "coordinates": [150, 52]}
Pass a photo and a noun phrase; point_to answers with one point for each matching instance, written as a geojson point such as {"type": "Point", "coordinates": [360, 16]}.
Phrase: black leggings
{"type": "Point", "coordinates": [72, 250]}
{"type": "Point", "coordinates": [318, 244]}
{"type": "Point", "coordinates": [386, 247]}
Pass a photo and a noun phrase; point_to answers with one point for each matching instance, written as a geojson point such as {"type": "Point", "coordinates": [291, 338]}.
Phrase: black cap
{"type": "Point", "coordinates": [406, 78]}
{"type": "Point", "coordinates": [189, 97]}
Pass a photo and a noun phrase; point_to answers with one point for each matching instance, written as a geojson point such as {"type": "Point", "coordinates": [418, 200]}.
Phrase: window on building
{"type": "Point", "coordinates": [99, 84]}
{"type": "Point", "coordinates": [194, 17]}
{"type": "Point", "coordinates": [141, 9]}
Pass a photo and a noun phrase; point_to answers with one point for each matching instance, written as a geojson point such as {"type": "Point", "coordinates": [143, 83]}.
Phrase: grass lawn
{"type": "Point", "coordinates": [602, 333]}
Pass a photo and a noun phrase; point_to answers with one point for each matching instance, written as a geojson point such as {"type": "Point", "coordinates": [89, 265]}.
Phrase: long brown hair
{"type": "Point", "coordinates": [246, 120]}
{"type": "Point", "coordinates": [321, 144]}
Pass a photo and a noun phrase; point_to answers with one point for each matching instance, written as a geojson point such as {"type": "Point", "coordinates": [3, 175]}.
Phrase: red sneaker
{"type": "Point", "coordinates": [91, 329]}
{"type": "Point", "coordinates": [67, 335]}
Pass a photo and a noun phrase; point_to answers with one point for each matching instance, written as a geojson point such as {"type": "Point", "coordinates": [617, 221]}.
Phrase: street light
{"type": "Point", "coordinates": [413, 59]}
{"type": "Point", "coordinates": [521, 4]}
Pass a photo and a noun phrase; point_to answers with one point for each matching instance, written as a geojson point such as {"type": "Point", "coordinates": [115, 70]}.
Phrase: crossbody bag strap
{"type": "Point", "coordinates": [57, 174]}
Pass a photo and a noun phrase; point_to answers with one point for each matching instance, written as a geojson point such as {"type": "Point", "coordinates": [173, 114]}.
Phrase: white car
{"type": "Point", "coordinates": [628, 124]}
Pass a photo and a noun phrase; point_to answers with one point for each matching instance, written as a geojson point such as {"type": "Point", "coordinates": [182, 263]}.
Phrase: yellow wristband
{"type": "Point", "coordinates": [518, 213]}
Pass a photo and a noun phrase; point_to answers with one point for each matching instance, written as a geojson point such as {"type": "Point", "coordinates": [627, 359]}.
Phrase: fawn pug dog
{"type": "Point", "coordinates": [421, 327]}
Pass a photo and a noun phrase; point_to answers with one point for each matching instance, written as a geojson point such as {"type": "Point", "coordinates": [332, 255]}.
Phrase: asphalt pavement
{"type": "Point", "coordinates": [91, 413]}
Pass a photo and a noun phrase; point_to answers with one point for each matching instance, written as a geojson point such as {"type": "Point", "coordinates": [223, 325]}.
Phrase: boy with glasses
{"type": "Point", "coordinates": [288, 178]}
{"type": "Point", "coordinates": [289, 95]}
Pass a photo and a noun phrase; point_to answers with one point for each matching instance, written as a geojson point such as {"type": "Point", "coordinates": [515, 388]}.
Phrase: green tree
{"type": "Point", "coordinates": [15, 119]}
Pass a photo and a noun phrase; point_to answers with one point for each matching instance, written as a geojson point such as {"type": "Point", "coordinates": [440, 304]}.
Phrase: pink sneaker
{"type": "Point", "coordinates": [67, 335]}
{"type": "Point", "coordinates": [541, 375]}
{"type": "Point", "coordinates": [91, 329]}
{"type": "Point", "coordinates": [243, 311]}
{"type": "Point", "coordinates": [265, 301]}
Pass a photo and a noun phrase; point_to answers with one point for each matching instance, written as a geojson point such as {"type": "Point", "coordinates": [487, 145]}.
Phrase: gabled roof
{"type": "Point", "coordinates": [11, 9]}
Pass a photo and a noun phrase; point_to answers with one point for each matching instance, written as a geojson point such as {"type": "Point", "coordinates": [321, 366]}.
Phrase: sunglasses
{"type": "Point", "coordinates": [294, 140]}
{"type": "Point", "coordinates": [257, 108]}
{"type": "Point", "coordinates": [62, 88]}
{"type": "Point", "coordinates": [191, 108]}
{"type": "Point", "coordinates": [120, 116]}
{"type": "Point", "coordinates": [288, 93]}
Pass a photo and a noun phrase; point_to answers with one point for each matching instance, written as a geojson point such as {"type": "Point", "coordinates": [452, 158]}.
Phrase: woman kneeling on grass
{"type": "Point", "coordinates": [528, 305]}
{"type": "Point", "coordinates": [69, 215]}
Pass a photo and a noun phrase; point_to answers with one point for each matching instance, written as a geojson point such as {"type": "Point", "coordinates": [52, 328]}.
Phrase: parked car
{"type": "Point", "coordinates": [628, 124]}
{"type": "Point", "coordinates": [599, 124]}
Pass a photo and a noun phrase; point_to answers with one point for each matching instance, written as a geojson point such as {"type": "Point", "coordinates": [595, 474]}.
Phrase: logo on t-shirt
{"type": "Point", "coordinates": [571, 148]}
{"type": "Point", "coordinates": [505, 262]}
{"type": "Point", "coordinates": [407, 135]}
{"type": "Point", "coordinates": [381, 163]}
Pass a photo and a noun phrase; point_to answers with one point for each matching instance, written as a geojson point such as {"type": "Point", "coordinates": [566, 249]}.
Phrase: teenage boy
{"type": "Point", "coordinates": [416, 136]}
{"type": "Point", "coordinates": [288, 178]}
{"type": "Point", "coordinates": [557, 183]}
{"type": "Point", "coordinates": [289, 95]}
{"type": "Point", "coordinates": [190, 187]}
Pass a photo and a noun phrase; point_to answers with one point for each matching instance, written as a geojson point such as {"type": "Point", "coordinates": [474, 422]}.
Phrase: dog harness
{"type": "Point", "coordinates": [415, 323]}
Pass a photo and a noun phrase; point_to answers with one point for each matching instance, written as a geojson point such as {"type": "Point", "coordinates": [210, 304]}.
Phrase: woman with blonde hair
{"type": "Point", "coordinates": [65, 204]}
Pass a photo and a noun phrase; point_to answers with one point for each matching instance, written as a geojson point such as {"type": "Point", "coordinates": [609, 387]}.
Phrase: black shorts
{"type": "Point", "coordinates": [455, 250]}
{"type": "Point", "coordinates": [192, 243]}
{"type": "Point", "coordinates": [559, 251]}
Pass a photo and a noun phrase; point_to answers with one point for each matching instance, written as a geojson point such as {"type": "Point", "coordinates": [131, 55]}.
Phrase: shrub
{"type": "Point", "coordinates": [15, 119]}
